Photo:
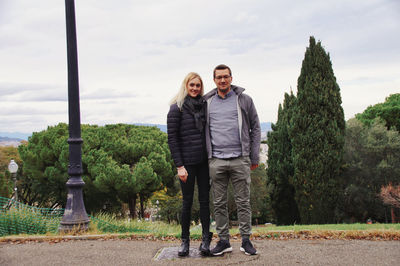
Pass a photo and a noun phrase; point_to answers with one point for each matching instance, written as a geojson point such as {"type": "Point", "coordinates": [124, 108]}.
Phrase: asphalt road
{"type": "Point", "coordinates": [141, 252]}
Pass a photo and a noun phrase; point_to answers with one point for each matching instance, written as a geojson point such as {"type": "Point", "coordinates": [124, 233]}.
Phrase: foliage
{"type": "Point", "coordinates": [261, 208]}
{"type": "Point", "coordinates": [389, 111]}
{"type": "Point", "coordinates": [317, 135]}
{"type": "Point", "coordinates": [391, 195]}
{"type": "Point", "coordinates": [280, 169]}
{"type": "Point", "coordinates": [45, 168]}
{"type": "Point", "coordinates": [6, 183]}
{"type": "Point", "coordinates": [106, 223]}
{"type": "Point", "coordinates": [170, 201]}
{"type": "Point", "coordinates": [371, 161]}
{"type": "Point", "coordinates": [330, 231]}
{"type": "Point", "coordinates": [119, 162]}
{"type": "Point", "coordinates": [350, 231]}
{"type": "Point", "coordinates": [170, 205]}
{"type": "Point", "coordinates": [17, 218]}
{"type": "Point", "coordinates": [339, 227]}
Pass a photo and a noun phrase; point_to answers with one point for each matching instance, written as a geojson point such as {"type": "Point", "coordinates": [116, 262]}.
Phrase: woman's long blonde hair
{"type": "Point", "coordinates": [180, 96]}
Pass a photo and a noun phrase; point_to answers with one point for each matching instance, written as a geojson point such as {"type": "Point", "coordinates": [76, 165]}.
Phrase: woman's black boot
{"type": "Point", "coordinates": [184, 249]}
{"type": "Point", "coordinates": [205, 244]}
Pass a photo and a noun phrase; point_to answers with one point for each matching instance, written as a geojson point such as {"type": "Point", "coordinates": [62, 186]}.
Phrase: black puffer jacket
{"type": "Point", "coordinates": [186, 142]}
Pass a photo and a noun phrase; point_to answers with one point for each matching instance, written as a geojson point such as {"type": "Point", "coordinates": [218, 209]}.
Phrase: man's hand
{"type": "Point", "coordinates": [182, 173]}
{"type": "Point", "coordinates": [253, 166]}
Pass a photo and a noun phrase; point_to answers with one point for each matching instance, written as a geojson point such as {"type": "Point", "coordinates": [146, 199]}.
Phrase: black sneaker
{"type": "Point", "coordinates": [247, 247]}
{"type": "Point", "coordinates": [221, 247]}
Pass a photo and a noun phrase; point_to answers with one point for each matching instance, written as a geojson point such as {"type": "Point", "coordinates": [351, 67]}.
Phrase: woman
{"type": "Point", "coordinates": [186, 121]}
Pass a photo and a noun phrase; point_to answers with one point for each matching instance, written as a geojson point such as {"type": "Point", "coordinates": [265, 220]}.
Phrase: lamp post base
{"type": "Point", "coordinates": [73, 227]}
{"type": "Point", "coordinates": [75, 218]}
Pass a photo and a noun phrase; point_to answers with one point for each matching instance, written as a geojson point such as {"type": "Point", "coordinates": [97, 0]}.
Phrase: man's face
{"type": "Point", "coordinates": [223, 80]}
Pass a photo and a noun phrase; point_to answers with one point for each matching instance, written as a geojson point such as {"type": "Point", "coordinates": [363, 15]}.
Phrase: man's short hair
{"type": "Point", "coordinates": [222, 67]}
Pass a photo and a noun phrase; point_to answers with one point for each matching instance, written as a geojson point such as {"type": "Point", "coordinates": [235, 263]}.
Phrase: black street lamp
{"type": "Point", "coordinates": [13, 168]}
{"type": "Point", "coordinates": [75, 216]}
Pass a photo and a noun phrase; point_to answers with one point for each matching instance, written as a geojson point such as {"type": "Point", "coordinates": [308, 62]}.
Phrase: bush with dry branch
{"type": "Point", "coordinates": [391, 195]}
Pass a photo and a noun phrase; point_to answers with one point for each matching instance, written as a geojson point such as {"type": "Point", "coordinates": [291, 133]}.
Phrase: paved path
{"type": "Point", "coordinates": [136, 252]}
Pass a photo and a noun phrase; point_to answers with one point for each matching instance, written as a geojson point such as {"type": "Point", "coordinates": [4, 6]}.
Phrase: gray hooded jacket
{"type": "Point", "coordinates": [249, 125]}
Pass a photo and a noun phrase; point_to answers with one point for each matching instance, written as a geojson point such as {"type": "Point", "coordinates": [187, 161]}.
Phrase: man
{"type": "Point", "coordinates": [233, 142]}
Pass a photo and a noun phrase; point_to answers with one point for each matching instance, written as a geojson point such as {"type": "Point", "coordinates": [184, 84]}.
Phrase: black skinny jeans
{"type": "Point", "coordinates": [199, 172]}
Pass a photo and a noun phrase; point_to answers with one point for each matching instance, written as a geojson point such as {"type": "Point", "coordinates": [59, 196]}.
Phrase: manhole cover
{"type": "Point", "coordinates": [168, 253]}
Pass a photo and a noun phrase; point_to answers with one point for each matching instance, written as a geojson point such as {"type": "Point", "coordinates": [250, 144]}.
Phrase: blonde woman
{"type": "Point", "coordinates": [186, 122]}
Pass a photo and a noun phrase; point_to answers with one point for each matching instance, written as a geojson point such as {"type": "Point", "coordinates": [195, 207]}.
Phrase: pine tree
{"type": "Point", "coordinates": [120, 163]}
{"type": "Point", "coordinates": [317, 137]}
{"type": "Point", "coordinates": [280, 165]}
{"type": "Point", "coordinates": [388, 111]}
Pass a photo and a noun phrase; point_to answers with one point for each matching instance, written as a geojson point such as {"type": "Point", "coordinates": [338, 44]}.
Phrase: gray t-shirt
{"type": "Point", "coordinates": [224, 127]}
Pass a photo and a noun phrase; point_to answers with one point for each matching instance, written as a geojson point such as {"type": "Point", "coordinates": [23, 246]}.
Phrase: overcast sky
{"type": "Point", "coordinates": [134, 54]}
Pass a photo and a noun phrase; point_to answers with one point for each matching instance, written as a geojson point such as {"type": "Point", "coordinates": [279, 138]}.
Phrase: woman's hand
{"type": "Point", "coordinates": [182, 173]}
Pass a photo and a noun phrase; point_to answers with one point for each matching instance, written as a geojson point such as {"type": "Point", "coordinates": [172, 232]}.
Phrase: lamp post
{"type": "Point", "coordinates": [75, 216]}
{"type": "Point", "coordinates": [13, 168]}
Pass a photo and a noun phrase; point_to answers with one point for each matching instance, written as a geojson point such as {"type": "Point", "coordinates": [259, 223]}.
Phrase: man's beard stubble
{"type": "Point", "coordinates": [224, 90]}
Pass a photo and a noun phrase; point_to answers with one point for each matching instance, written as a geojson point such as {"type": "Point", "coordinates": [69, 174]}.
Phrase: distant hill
{"type": "Point", "coordinates": [6, 141]}
{"type": "Point", "coordinates": [265, 126]}
{"type": "Point", "coordinates": [163, 128]}
{"type": "Point", "coordinates": [16, 135]}
{"type": "Point", "coordinates": [9, 139]}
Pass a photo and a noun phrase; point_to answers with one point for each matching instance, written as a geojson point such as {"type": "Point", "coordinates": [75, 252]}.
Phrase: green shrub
{"type": "Point", "coordinates": [17, 218]}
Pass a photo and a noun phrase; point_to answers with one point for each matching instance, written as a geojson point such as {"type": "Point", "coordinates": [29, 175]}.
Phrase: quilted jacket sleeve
{"type": "Point", "coordinates": [173, 126]}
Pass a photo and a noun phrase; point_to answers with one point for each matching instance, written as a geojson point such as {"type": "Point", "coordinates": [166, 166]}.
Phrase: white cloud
{"type": "Point", "coordinates": [133, 55]}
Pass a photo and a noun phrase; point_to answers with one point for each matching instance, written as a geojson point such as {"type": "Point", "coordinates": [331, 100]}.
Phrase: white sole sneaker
{"type": "Point", "coordinates": [223, 251]}
{"type": "Point", "coordinates": [242, 249]}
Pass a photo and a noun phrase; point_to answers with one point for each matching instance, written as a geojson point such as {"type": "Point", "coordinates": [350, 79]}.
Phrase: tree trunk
{"type": "Point", "coordinates": [132, 206]}
{"type": "Point", "coordinates": [141, 206]}
{"type": "Point", "coordinates": [394, 220]}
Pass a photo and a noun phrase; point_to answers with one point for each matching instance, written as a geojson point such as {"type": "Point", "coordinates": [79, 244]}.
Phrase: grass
{"type": "Point", "coordinates": [355, 226]}
{"type": "Point", "coordinates": [330, 231]}
{"type": "Point", "coordinates": [33, 221]}
{"type": "Point", "coordinates": [106, 223]}
{"type": "Point", "coordinates": [327, 231]}
{"type": "Point", "coordinates": [262, 229]}
{"type": "Point", "coordinates": [22, 220]}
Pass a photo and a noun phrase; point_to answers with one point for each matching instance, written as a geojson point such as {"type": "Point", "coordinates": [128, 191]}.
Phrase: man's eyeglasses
{"type": "Point", "coordinates": [222, 77]}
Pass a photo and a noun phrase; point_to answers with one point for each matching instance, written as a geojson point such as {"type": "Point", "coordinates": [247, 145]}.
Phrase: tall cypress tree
{"type": "Point", "coordinates": [317, 137]}
{"type": "Point", "coordinates": [280, 165]}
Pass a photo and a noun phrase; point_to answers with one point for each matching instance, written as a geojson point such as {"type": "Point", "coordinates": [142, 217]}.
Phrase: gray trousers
{"type": "Point", "coordinates": [238, 172]}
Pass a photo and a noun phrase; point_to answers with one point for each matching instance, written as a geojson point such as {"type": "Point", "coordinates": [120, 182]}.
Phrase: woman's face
{"type": "Point", "coordinates": [194, 87]}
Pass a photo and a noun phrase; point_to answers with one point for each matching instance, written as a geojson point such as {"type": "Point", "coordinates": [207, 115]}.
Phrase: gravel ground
{"type": "Point", "coordinates": [141, 252]}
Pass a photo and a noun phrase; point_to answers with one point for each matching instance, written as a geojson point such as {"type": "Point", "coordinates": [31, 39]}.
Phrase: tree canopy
{"type": "Point", "coordinates": [120, 162]}
{"type": "Point", "coordinates": [371, 161]}
{"type": "Point", "coordinates": [7, 154]}
{"type": "Point", "coordinates": [388, 111]}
